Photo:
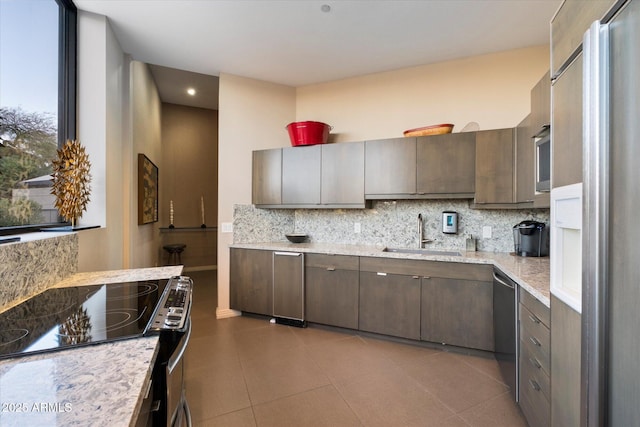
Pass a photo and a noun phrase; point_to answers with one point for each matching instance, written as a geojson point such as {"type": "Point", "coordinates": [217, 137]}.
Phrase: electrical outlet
{"type": "Point", "coordinates": [227, 227]}
{"type": "Point", "coordinates": [357, 228]}
{"type": "Point", "coordinates": [486, 232]}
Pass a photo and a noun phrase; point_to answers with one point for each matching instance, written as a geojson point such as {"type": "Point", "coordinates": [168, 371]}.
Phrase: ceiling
{"type": "Point", "coordinates": [296, 42]}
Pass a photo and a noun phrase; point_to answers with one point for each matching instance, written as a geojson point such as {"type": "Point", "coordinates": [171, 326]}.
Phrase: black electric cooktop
{"type": "Point", "coordinates": [83, 315]}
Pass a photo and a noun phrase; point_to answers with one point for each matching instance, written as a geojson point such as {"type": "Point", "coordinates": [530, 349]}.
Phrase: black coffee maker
{"type": "Point", "coordinates": [531, 238]}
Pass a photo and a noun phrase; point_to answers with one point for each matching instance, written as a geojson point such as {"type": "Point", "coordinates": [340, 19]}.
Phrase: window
{"type": "Point", "coordinates": [37, 106]}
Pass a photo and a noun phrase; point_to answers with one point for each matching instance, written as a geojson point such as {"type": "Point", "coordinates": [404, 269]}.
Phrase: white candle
{"type": "Point", "coordinates": [171, 212]}
{"type": "Point", "coordinates": [202, 207]}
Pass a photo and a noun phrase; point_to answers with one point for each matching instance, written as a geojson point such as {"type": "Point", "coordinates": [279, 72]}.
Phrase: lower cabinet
{"type": "Point", "coordinates": [332, 290]}
{"type": "Point", "coordinates": [250, 282]}
{"type": "Point", "coordinates": [390, 304]}
{"type": "Point", "coordinates": [565, 364]}
{"type": "Point", "coordinates": [535, 361]}
{"type": "Point", "coordinates": [457, 312]}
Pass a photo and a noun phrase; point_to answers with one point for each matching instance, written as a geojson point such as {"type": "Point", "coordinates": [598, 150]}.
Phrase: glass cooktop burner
{"type": "Point", "coordinates": [59, 318]}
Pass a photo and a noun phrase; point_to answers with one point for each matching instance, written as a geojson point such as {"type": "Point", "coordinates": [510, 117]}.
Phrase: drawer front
{"type": "Point", "coordinates": [537, 338]}
{"type": "Point", "coordinates": [535, 307]}
{"type": "Point", "coordinates": [337, 262]}
{"type": "Point", "coordinates": [532, 371]}
{"type": "Point", "coordinates": [442, 269]}
{"type": "Point", "coordinates": [533, 402]}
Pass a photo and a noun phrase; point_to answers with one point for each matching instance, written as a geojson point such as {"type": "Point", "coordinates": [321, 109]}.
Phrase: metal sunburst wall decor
{"type": "Point", "coordinates": [71, 180]}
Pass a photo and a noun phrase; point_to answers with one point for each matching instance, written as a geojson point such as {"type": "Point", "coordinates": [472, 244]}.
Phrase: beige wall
{"type": "Point", "coordinates": [253, 115]}
{"type": "Point", "coordinates": [190, 159]}
{"type": "Point", "coordinates": [492, 90]}
{"type": "Point", "coordinates": [118, 117]}
{"type": "Point", "coordinates": [102, 88]}
{"type": "Point", "coordinates": [146, 111]}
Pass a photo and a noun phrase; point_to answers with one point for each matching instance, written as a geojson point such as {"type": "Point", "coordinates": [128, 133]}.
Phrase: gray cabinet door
{"type": "Point", "coordinates": [390, 304]}
{"type": "Point", "coordinates": [301, 175]}
{"type": "Point", "coordinates": [266, 188]}
{"type": "Point", "coordinates": [495, 166]}
{"type": "Point", "coordinates": [541, 105]}
{"type": "Point", "coordinates": [342, 174]}
{"type": "Point", "coordinates": [457, 312]}
{"type": "Point", "coordinates": [331, 296]}
{"type": "Point", "coordinates": [390, 167]}
{"type": "Point", "coordinates": [288, 285]}
{"type": "Point", "coordinates": [566, 131]}
{"type": "Point", "coordinates": [565, 364]}
{"type": "Point", "coordinates": [446, 164]}
{"type": "Point", "coordinates": [250, 286]}
{"type": "Point", "coordinates": [525, 158]}
{"type": "Point", "coordinates": [569, 25]}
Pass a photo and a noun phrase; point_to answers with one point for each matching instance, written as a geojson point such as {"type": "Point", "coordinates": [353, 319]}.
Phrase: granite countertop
{"type": "Point", "coordinates": [99, 385]}
{"type": "Point", "coordinates": [532, 274]}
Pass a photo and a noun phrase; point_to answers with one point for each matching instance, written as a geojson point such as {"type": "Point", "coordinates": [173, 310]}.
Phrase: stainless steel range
{"type": "Point", "coordinates": [65, 318]}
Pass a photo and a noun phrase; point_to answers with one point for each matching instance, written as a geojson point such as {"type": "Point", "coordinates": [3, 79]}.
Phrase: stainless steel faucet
{"type": "Point", "coordinates": [421, 239]}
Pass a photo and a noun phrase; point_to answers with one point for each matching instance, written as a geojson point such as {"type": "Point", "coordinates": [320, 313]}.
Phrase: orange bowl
{"type": "Point", "coordinates": [430, 130]}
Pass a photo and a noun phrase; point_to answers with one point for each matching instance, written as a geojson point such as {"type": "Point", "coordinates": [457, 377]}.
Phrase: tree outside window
{"type": "Point", "coordinates": [30, 94]}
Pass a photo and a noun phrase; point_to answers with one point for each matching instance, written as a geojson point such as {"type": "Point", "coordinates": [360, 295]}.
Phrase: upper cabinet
{"type": "Point", "coordinates": [566, 131]}
{"type": "Point", "coordinates": [439, 166]}
{"type": "Point", "coordinates": [317, 176]}
{"type": "Point", "coordinates": [495, 156]}
{"type": "Point", "coordinates": [494, 166]}
{"type": "Point", "coordinates": [568, 27]}
{"type": "Point", "coordinates": [446, 165]}
{"type": "Point", "coordinates": [301, 175]}
{"type": "Point", "coordinates": [266, 188]}
{"type": "Point", "coordinates": [525, 162]}
{"type": "Point", "coordinates": [541, 106]}
{"type": "Point", "coordinates": [342, 176]}
{"type": "Point", "coordinates": [390, 168]}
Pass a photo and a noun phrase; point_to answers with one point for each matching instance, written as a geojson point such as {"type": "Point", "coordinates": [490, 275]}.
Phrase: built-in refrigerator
{"type": "Point", "coordinates": [610, 394]}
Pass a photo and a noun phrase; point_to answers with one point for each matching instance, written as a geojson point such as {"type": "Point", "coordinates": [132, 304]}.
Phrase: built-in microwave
{"type": "Point", "coordinates": [543, 160]}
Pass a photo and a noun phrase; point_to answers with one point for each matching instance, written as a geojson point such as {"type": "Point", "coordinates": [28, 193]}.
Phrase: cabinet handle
{"type": "Point", "coordinates": [427, 277]}
{"type": "Point", "coordinates": [415, 277]}
{"type": "Point", "coordinates": [534, 319]}
{"type": "Point", "coordinates": [331, 269]}
{"type": "Point", "coordinates": [535, 341]}
{"type": "Point", "coordinates": [288, 253]}
{"type": "Point", "coordinates": [381, 274]}
{"type": "Point", "coordinates": [535, 363]}
{"type": "Point", "coordinates": [534, 385]}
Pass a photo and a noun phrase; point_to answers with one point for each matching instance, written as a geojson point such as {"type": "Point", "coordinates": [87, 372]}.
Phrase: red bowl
{"type": "Point", "coordinates": [308, 133]}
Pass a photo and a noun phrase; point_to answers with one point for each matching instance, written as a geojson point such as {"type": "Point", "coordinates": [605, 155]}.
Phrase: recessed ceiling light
{"type": "Point", "coordinates": [191, 91]}
{"type": "Point", "coordinates": [325, 8]}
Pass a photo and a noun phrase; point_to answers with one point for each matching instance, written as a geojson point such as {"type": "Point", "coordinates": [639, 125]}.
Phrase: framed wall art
{"type": "Point", "coordinates": [147, 190]}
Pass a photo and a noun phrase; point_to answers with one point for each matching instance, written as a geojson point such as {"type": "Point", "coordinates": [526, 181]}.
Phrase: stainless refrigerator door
{"type": "Point", "coordinates": [623, 281]}
{"type": "Point", "coordinates": [611, 319]}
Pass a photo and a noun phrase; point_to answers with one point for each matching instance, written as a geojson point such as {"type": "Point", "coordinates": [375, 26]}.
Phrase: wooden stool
{"type": "Point", "coordinates": [174, 252]}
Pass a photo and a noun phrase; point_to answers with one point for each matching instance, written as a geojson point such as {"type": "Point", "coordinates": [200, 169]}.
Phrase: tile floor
{"type": "Point", "coordinates": [247, 372]}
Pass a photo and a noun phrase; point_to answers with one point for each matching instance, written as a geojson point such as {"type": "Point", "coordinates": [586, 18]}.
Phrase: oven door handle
{"type": "Point", "coordinates": [179, 352]}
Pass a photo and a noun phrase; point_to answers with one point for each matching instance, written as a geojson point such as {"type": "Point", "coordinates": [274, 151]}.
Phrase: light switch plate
{"type": "Point", "coordinates": [486, 232]}
{"type": "Point", "coordinates": [357, 228]}
{"type": "Point", "coordinates": [227, 227]}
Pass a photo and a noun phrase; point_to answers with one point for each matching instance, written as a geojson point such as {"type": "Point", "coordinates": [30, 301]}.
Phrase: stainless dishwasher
{"type": "Point", "coordinates": [505, 329]}
{"type": "Point", "coordinates": [288, 288]}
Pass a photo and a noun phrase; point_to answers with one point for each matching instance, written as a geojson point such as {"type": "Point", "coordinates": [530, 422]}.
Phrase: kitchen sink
{"type": "Point", "coordinates": [421, 251]}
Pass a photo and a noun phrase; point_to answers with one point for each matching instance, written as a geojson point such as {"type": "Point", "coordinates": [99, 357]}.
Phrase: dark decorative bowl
{"type": "Point", "coordinates": [296, 237]}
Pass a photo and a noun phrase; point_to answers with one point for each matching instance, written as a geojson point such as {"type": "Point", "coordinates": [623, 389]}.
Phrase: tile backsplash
{"type": "Point", "coordinates": [30, 267]}
{"type": "Point", "coordinates": [387, 223]}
